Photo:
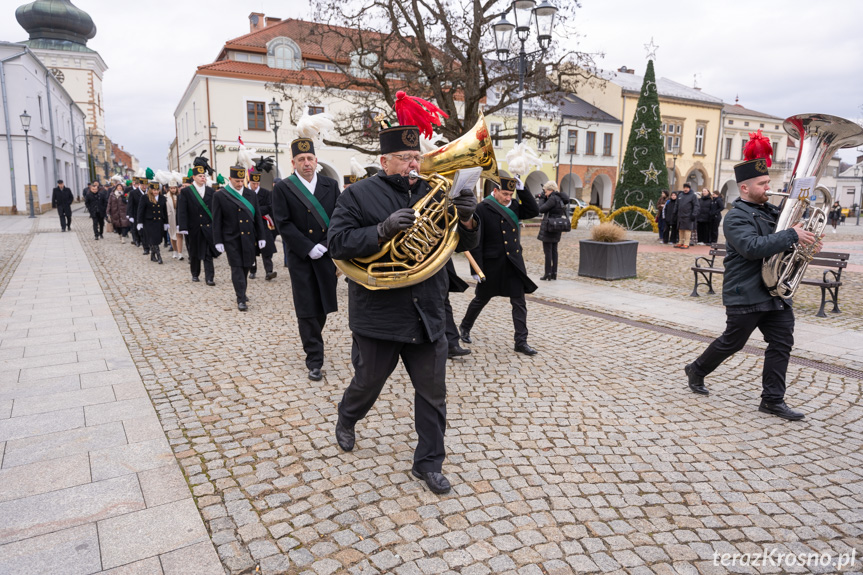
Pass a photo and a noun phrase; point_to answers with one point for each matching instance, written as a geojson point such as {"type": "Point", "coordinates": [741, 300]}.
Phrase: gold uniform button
{"type": "Point", "coordinates": [310, 231]}
{"type": "Point", "coordinates": [504, 243]}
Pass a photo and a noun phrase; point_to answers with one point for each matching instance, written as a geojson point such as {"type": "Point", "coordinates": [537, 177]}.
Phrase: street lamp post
{"type": "Point", "coordinates": [213, 131]}
{"type": "Point", "coordinates": [675, 151]}
{"type": "Point", "coordinates": [859, 173]}
{"type": "Point", "coordinates": [25, 124]}
{"type": "Point", "coordinates": [523, 12]}
{"type": "Point", "coordinates": [275, 114]}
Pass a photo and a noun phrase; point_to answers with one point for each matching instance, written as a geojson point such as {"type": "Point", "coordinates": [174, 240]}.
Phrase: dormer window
{"type": "Point", "coordinates": [284, 53]}
{"type": "Point", "coordinates": [362, 64]}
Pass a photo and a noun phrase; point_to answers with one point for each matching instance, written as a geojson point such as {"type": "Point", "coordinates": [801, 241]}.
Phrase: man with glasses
{"type": "Point", "coordinates": [408, 322]}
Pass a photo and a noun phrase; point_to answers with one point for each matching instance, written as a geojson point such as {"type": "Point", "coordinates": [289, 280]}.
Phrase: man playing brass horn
{"type": "Point", "coordinates": [750, 236]}
{"type": "Point", "coordinates": [405, 322]}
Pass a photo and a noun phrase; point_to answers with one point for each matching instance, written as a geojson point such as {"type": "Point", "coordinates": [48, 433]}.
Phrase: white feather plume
{"type": "Point", "coordinates": [356, 169]}
{"type": "Point", "coordinates": [141, 173]}
{"type": "Point", "coordinates": [163, 177]}
{"type": "Point", "coordinates": [521, 159]}
{"type": "Point", "coordinates": [315, 127]}
{"type": "Point", "coordinates": [176, 179]}
{"type": "Point", "coordinates": [116, 178]}
{"type": "Point", "coordinates": [426, 145]}
{"type": "Point", "coordinates": [244, 156]}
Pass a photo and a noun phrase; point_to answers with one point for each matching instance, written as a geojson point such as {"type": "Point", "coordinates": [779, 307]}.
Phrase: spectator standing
{"type": "Point", "coordinates": [687, 215]}
{"type": "Point", "coordinates": [670, 214]}
{"type": "Point", "coordinates": [717, 205]}
{"type": "Point", "coordinates": [660, 214]}
{"type": "Point", "coordinates": [835, 215]}
{"type": "Point", "coordinates": [552, 204]}
{"type": "Point", "coordinates": [703, 220]}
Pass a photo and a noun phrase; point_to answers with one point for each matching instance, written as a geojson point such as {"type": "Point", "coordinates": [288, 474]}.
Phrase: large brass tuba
{"type": "Point", "coordinates": [820, 137]}
{"type": "Point", "coordinates": [420, 251]}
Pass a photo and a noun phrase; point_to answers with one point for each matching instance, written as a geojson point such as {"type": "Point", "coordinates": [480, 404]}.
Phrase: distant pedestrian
{"type": "Point", "coordinates": [717, 205]}
{"type": "Point", "coordinates": [117, 203]}
{"type": "Point", "coordinates": [670, 213]}
{"type": "Point", "coordinates": [61, 198]}
{"type": "Point", "coordinates": [660, 215]}
{"type": "Point", "coordinates": [703, 219]}
{"type": "Point", "coordinates": [96, 202]}
{"type": "Point", "coordinates": [552, 204]}
{"type": "Point", "coordinates": [687, 215]}
{"type": "Point", "coordinates": [835, 215]}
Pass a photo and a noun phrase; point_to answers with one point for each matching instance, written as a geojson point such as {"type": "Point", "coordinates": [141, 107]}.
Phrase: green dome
{"type": "Point", "coordinates": [56, 23]}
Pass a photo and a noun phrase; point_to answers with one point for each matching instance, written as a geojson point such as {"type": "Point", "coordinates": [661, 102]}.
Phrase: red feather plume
{"type": "Point", "coordinates": [758, 148]}
{"type": "Point", "coordinates": [412, 111]}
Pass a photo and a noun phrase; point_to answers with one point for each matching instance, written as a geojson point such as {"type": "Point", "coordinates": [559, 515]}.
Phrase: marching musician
{"type": "Point", "coordinates": [238, 229]}
{"type": "Point", "coordinates": [137, 192]}
{"type": "Point", "coordinates": [751, 236]}
{"type": "Point", "coordinates": [265, 203]}
{"type": "Point", "coordinates": [499, 255]}
{"type": "Point", "coordinates": [195, 220]}
{"type": "Point", "coordinates": [406, 322]}
{"type": "Point", "coordinates": [303, 204]}
{"type": "Point", "coordinates": [152, 219]}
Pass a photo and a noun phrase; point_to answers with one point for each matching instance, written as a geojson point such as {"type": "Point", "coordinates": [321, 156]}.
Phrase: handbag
{"type": "Point", "coordinates": [558, 224]}
{"type": "Point", "coordinates": [109, 227]}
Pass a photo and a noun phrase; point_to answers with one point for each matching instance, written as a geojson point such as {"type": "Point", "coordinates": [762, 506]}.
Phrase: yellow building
{"type": "Point", "coordinates": [691, 122]}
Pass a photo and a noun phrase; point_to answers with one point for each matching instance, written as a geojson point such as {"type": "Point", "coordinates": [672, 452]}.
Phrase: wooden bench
{"type": "Point", "coordinates": [830, 282]}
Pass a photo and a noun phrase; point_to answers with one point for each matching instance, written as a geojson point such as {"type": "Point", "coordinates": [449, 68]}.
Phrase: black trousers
{"type": "Point", "coordinates": [136, 237]}
{"type": "Point", "coordinates": [519, 316]}
{"type": "Point", "coordinates": [714, 231]}
{"type": "Point", "coordinates": [98, 226]}
{"type": "Point", "coordinates": [776, 326]}
{"type": "Point", "coordinates": [671, 234]}
{"type": "Point", "coordinates": [240, 279]}
{"type": "Point", "coordinates": [124, 232]}
{"type": "Point", "coordinates": [65, 213]}
{"type": "Point", "coordinates": [195, 267]}
{"type": "Point", "coordinates": [451, 330]}
{"type": "Point", "coordinates": [704, 232]}
{"type": "Point", "coordinates": [550, 251]}
{"type": "Point", "coordinates": [268, 264]}
{"type": "Point", "coordinates": [374, 360]}
{"type": "Point", "coordinates": [311, 330]}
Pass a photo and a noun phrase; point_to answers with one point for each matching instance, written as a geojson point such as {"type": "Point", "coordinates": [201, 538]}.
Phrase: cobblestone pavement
{"type": "Point", "coordinates": [595, 460]}
{"type": "Point", "coordinates": [665, 271]}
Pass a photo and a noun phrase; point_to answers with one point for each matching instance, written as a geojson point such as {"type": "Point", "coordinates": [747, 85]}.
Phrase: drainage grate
{"type": "Point", "coordinates": [819, 365]}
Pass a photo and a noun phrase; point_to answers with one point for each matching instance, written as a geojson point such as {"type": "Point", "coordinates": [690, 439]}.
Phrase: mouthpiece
{"type": "Point", "coordinates": [413, 174]}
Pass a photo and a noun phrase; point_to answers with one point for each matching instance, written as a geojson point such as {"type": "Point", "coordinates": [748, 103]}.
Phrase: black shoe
{"type": "Point", "coordinates": [158, 257]}
{"type": "Point", "coordinates": [457, 351]}
{"type": "Point", "coordinates": [242, 306]}
{"type": "Point", "coordinates": [464, 335]}
{"type": "Point", "coordinates": [345, 436]}
{"type": "Point", "coordinates": [152, 256]}
{"type": "Point", "coordinates": [780, 410]}
{"type": "Point", "coordinates": [546, 277]}
{"type": "Point", "coordinates": [553, 277]}
{"type": "Point", "coordinates": [696, 382]}
{"type": "Point", "coordinates": [195, 279]}
{"type": "Point", "coordinates": [95, 237]}
{"type": "Point", "coordinates": [146, 253]}
{"type": "Point", "coordinates": [271, 275]}
{"type": "Point", "coordinates": [211, 283]}
{"type": "Point", "coordinates": [525, 349]}
{"type": "Point", "coordinates": [436, 481]}
{"type": "Point", "coordinates": [315, 374]}
{"type": "Point", "coordinates": [251, 275]}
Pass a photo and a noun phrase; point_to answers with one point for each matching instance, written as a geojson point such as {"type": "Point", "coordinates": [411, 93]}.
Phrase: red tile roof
{"type": "Point", "coordinates": [262, 72]}
{"type": "Point", "coordinates": [740, 110]}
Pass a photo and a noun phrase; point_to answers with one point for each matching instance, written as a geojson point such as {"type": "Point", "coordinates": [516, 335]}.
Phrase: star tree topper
{"type": "Point", "coordinates": [651, 174]}
{"type": "Point", "coordinates": [651, 49]}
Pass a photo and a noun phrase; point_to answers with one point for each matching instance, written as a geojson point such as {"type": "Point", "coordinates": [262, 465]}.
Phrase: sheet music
{"type": "Point", "coordinates": [465, 179]}
{"type": "Point", "coordinates": [803, 187]}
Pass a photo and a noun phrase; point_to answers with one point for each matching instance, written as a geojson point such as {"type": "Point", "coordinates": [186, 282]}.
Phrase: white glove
{"type": "Point", "coordinates": [475, 277]}
{"type": "Point", "coordinates": [140, 226]}
{"type": "Point", "coordinates": [132, 220]}
{"type": "Point", "coordinates": [183, 232]}
{"type": "Point", "coordinates": [220, 248]}
{"type": "Point", "coordinates": [518, 183]}
{"type": "Point", "coordinates": [262, 244]}
{"type": "Point", "coordinates": [166, 227]}
{"type": "Point", "coordinates": [317, 251]}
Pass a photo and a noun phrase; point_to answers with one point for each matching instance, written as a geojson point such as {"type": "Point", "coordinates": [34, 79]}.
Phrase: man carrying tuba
{"type": "Point", "coordinates": [403, 322]}
{"type": "Point", "coordinates": [751, 236]}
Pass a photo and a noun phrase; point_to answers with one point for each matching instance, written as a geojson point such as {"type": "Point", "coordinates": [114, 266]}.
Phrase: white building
{"type": "Point", "coordinates": [849, 187]}
{"type": "Point", "coordinates": [56, 122]}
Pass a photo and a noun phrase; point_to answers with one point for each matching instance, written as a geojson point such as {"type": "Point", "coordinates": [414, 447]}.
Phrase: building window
{"type": "Point", "coordinates": [775, 148]}
{"type": "Point", "coordinates": [699, 140]}
{"type": "Point", "coordinates": [542, 143]}
{"type": "Point", "coordinates": [315, 110]}
{"type": "Point", "coordinates": [761, 125]}
{"type": "Point", "coordinates": [742, 147]}
{"type": "Point", "coordinates": [730, 122]}
{"type": "Point", "coordinates": [672, 130]}
{"type": "Point", "coordinates": [571, 141]}
{"type": "Point", "coordinates": [284, 53]}
{"type": "Point", "coordinates": [728, 148]}
{"type": "Point", "coordinates": [41, 120]}
{"type": "Point", "coordinates": [256, 119]}
{"type": "Point", "coordinates": [606, 144]}
{"type": "Point", "coordinates": [745, 124]}
{"type": "Point", "coordinates": [590, 144]}
{"type": "Point", "coordinates": [495, 135]}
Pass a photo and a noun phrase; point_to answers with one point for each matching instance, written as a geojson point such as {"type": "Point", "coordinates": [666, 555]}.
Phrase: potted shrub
{"type": "Point", "coordinates": [607, 254]}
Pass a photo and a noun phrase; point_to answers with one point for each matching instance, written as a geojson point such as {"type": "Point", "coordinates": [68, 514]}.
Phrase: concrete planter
{"type": "Point", "coordinates": [607, 260]}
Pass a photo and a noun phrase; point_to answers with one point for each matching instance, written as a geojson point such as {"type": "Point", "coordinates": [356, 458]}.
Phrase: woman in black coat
{"type": "Point", "coordinates": [152, 218]}
{"type": "Point", "coordinates": [671, 235]}
{"type": "Point", "coordinates": [552, 204]}
{"type": "Point", "coordinates": [96, 202]}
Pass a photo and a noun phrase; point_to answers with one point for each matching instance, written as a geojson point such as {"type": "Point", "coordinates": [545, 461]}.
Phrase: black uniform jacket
{"type": "Point", "coordinates": [412, 314]}
{"type": "Point", "coordinates": [499, 252]}
{"type": "Point", "coordinates": [236, 227]}
{"type": "Point", "coordinates": [312, 281]}
{"type": "Point", "coordinates": [96, 203]}
{"type": "Point", "coordinates": [154, 216]}
{"type": "Point", "coordinates": [192, 218]}
{"type": "Point", "coordinates": [132, 206]}
{"type": "Point", "coordinates": [265, 204]}
{"type": "Point", "coordinates": [61, 198]}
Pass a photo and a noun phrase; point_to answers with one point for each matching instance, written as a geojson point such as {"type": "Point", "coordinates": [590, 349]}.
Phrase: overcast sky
{"type": "Point", "coordinates": [781, 58]}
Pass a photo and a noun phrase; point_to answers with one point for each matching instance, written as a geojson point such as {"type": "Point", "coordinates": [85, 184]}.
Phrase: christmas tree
{"type": "Point", "coordinates": [643, 174]}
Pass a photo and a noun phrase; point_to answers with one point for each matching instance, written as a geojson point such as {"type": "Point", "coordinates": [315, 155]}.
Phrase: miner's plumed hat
{"type": "Point", "coordinates": [507, 184]}
{"type": "Point", "coordinates": [416, 116]}
{"type": "Point", "coordinates": [757, 158]}
{"type": "Point", "coordinates": [238, 172]}
{"type": "Point", "coordinates": [302, 146]}
{"type": "Point", "coordinates": [254, 176]}
{"type": "Point", "coordinates": [201, 165]}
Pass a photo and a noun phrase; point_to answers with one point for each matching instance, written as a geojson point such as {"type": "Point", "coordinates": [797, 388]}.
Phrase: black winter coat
{"type": "Point", "coordinates": [236, 228]}
{"type": "Point", "coordinates": [154, 216]}
{"type": "Point", "coordinates": [412, 314]}
{"type": "Point", "coordinates": [61, 198]}
{"type": "Point", "coordinates": [750, 237]}
{"type": "Point", "coordinates": [132, 203]}
{"type": "Point", "coordinates": [687, 210]}
{"type": "Point", "coordinates": [265, 204]}
{"type": "Point", "coordinates": [717, 206]}
{"type": "Point", "coordinates": [313, 282]}
{"type": "Point", "coordinates": [671, 212]}
{"type": "Point", "coordinates": [96, 203]}
{"type": "Point", "coordinates": [705, 204]}
{"type": "Point", "coordinates": [499, 251]}
{"type": "Point", "coordinates": [551, 206]}
{"type": "Point", "coordinates": [192, 218]}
